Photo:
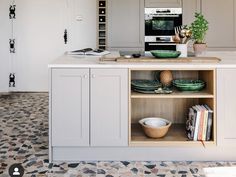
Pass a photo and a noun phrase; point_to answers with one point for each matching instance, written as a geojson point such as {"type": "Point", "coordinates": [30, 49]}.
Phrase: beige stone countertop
{"type": "Point", "coordinates": [228, 60]}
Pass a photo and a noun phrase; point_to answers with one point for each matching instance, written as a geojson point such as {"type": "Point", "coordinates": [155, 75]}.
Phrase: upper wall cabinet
{"type": "Point", "coordinates": [222, 24]}
{"type": "Point", "coordinates": [125, 27]}
{"type": "Point", "coordinates": [163, 3]}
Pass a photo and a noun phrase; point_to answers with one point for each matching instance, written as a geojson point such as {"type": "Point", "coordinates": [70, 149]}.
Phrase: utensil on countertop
{"type": "Point", "coordinates": [182, 35]}
{"type": "Point", "coordinates": [188, 35]}
{"type": "Point", "coordinates": [176, 37]}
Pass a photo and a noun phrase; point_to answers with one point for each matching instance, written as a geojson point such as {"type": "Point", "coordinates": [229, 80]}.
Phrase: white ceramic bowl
{"type": "Point", "coordinates": [155, 127]}
{"type": "Point", "coordinates": [155, 122]}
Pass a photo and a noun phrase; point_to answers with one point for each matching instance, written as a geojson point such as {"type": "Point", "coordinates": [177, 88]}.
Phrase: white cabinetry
{"type": "Point", "coordinates": [70, 107]}
{"type": "Point", "coordinates": [163, 3]}
{"type": "Point", "coordinates": [222, 23]}
{"type": "Point", "coordinates": [109, 107]}
{"type": "Point", "coordinates": [189, 9]}
{"type": "Point", "coordinates": [221, 16]}
{"type": "Point", "coordinates": [125, 24]}
{"type": "Point", "coordinates": [226, 102]}
{"type": "Point", "coordinates": [89, 107]}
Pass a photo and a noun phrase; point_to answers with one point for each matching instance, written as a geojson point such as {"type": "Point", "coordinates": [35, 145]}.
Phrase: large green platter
{"type": "Point", "coordinates": [165, 53]}
{"type": "Point", "coordinates": [145, 84]}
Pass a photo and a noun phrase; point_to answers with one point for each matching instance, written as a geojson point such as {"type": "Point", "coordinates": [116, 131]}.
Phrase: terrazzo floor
{"type": "Point", "coordinates": [24, 139]}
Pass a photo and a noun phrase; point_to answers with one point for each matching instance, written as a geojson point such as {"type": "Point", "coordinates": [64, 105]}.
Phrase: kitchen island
{"type": "Point", "coordinates": [94, 114]}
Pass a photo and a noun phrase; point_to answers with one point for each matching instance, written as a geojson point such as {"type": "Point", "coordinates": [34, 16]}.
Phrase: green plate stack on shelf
{"type": "Point", "coordinates": [145, 86]}
{"type": "Point", "coordinates": [188, 85]}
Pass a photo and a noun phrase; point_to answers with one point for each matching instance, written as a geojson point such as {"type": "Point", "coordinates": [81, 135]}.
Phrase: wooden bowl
{"type": "Point", "coordinates": [153, 131]}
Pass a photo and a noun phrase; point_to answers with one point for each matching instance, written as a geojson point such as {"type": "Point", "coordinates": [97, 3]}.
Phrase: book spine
{"type": "Point", "coordinates": [200, 129]}
{"type": "Point", "coordinates": [205, 123]}
{"type": "Point", "coordinates": [209, 123]}
{"type": "Point", "coordinates": [197, 123]}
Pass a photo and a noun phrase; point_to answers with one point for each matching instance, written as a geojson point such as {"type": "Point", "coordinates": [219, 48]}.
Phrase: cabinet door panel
{"type": "Point", "coordinates": [189, 9]}
{"type": "Point", "coordinates": [109, 107]}
{"type": "Point", "coordinates": [125, 24]}
{"type": "Point", "coordinates": [163, 3]}
{"type": "Point", "coordinates": [226, 104]}
{"type": "Point", "coordinates": [221, 17]}
{"type": "Point", "coordinates": [70, 107]}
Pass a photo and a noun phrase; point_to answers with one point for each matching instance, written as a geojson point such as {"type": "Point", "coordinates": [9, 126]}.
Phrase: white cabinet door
{"type": "Point", "coordinates": [125, 24]}
{"type": "Point", "coordinates": [226, 106]}
{"type": "Point", "coordinates": [222, 24]}
{"type": "Point", "coordinates": [109, 107]}
{"type": "Point", "coordinates": [70, 107]}
{"type": "Point", "coordinates": [163, 3]}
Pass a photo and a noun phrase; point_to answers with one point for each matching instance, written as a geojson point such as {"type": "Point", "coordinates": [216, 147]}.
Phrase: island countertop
{"type": "Point", "coordinates": [228, 60]}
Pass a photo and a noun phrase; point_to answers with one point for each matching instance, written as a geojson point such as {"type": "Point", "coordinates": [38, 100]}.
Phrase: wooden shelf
{"type": "Point", "coordinates": [175, 137]}
{"type": "Point", "coordinates": [175, 94]}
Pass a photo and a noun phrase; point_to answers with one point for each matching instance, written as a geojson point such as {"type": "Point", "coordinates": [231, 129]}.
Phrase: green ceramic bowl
{"type": "Point", "coordinates": [165, 53]}
{"type": "Point", "coordinates": [190, 88]}
{"type": "Point", "coordinates": [185, 82]}
{"type": "Point", "coordinates": [188, 85]}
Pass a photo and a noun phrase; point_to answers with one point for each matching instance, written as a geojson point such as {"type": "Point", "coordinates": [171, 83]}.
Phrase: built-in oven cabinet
{"type": "Point", "coordinates": [125, 24]}
{"type": "Point", "coordinates": [163, 3]}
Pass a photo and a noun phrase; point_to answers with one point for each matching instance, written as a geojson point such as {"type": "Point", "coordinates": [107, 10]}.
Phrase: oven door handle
{"type": "Point", "coordinates": [153, 44]}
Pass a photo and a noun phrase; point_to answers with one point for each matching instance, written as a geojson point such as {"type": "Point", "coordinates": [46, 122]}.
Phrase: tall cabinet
{"type": "Point", "coordinates": [125, 24]}
{"type": "Point", "coordinates": [222, 21]}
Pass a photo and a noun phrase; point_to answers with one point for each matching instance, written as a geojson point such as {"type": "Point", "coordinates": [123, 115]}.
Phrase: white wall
{"type": "Point", "coordinates": [4, 45]}
{"type": "Point", "coordinates": [39, 28]}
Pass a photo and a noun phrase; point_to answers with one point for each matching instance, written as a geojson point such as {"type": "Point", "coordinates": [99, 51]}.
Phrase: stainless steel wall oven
{"type": "Point", "coordinates": [160, 26]}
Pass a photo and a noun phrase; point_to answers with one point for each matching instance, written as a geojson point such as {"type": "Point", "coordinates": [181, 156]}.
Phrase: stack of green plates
{"type": "Point", "coordinates": [188, 85]}
{"type": "Point", "coordinates": [145, 86]}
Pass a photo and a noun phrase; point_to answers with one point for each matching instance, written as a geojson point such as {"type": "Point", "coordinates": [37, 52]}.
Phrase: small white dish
{"type": "Point", "coordinates": [127, 56]}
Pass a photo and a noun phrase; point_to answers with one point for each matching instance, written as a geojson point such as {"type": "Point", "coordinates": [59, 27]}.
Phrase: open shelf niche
{"type": "Point", "coordinates": [102, 24]}
{"type": "Point", "coordinates": [174, 107]}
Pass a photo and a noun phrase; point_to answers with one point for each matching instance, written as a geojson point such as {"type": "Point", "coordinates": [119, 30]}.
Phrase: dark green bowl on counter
{"type": "Point", "coordinates": [165, 53]}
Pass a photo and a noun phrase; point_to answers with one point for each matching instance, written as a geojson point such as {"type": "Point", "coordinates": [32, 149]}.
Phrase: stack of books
{"type": "Point", "coordinates": [199, 123]}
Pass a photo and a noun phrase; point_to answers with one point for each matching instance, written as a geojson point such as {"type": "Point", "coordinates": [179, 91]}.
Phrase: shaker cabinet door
{"type": "Point", "coordinates": [222, 24]}
{"type": "Point", "coordinates": [226, 101]}
{"type": "Point", "coordinates": [125, 24]}
{"type": "Point", "coordinates": [109, 107]}
{"type": "Point", "coordinates": [70, 107]}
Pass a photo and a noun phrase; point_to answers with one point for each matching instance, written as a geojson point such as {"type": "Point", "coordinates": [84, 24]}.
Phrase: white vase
{"type": "Point", "coordinates": [183, 48]}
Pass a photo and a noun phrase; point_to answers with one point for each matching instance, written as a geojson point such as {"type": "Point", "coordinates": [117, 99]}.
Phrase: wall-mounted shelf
{"type": "Point", "coordinates": [102, 24]}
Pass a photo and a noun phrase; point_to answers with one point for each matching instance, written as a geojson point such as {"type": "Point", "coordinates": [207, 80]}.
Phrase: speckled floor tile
{"type": "Point", "coordinates": [24, 139]}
